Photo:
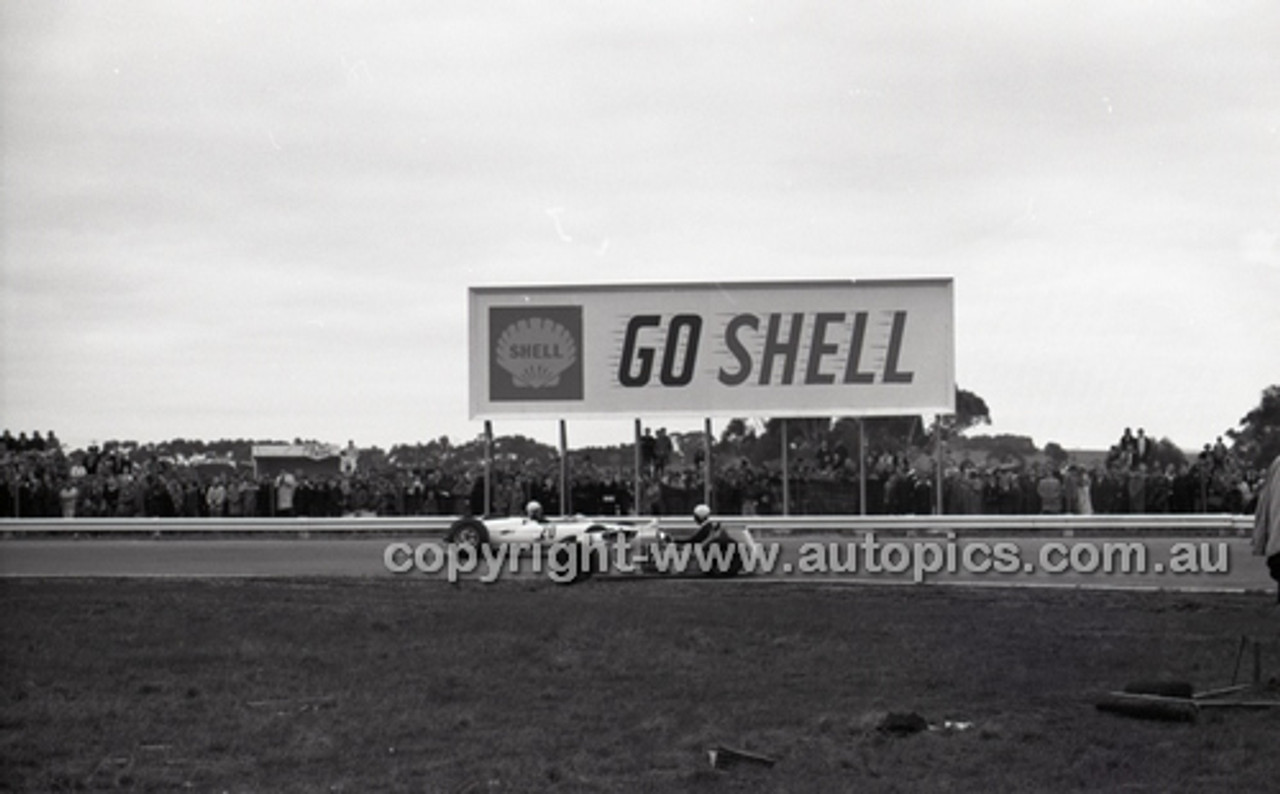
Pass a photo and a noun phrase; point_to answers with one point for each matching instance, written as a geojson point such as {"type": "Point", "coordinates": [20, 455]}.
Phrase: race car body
{"type": "Point", "coordinates": [648, 547]}
{"type": "Point", "coordinates": [547, 531]}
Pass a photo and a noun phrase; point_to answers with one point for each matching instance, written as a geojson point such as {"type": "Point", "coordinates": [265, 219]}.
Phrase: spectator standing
{"type": "Point", "coordinates": [1182, 494]}
{"type": "Point", "coordinates": [248, 497]}
{"type": "Point", "coordinates": [192, 506]}
{"type": "Point", "coordinates": [215, 498]}
{"type": "Point", "coordinates": [1219, 454]}
{"type": "Point", "coordinates": [286, 488]}
{"type": "Point", "coordinates": [1128, 448]}
{"type": "Point", "coordinates": [176, 501]}
{"type": "Point", "coordinates": [662, 450]}
{"type": "Point", "coordinates": [350, 459]}
{"type": "Point", "coordinates": [127, 498]}
{"type": "Point", "coordinates": [1266, 522]}
{"type": "Point", "coordinates": [68, 496]}
{"type": "Point", "coordinates": [1138, 489]}
{"type": "Point", "coordinates": [1050, 491]}
{"type": "Point", "coordinates": [111, 494]}
{"type": "Point", "coordinates": [648, 449]}
{"type": "Point", "coordinates": [1159, 489]}
{"type": "Point", "coordinates": [1028, 484]}
{"type": "Point", "coordinates": [235, 506]}
{"type": "Point", "coordinates": [264, 506]}
{"type": "Point", "coordinates": [1084, 500]}
{"type": "Point", "coordinates": [156, 499]}
{"type": "Point", "coordinates": [1071, 490]}
{"type": "Point", "coordinates": [1102, 491]}
{"type": "Point", "coordinates": [1143, 449]}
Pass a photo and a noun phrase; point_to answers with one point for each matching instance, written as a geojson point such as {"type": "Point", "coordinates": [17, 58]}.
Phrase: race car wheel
{"type": "Point", "coordinates": [468, 532]}
{"type": "Point", "coordinates": [570, 564]}
{"type": "Point", "coordinates": [733, 554]}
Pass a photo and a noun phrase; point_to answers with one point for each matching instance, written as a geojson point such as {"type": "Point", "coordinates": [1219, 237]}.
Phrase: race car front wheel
{"type": "Point", "coordinates": [468, 532]}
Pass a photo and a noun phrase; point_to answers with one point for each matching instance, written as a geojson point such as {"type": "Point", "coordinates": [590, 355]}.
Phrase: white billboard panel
{"type": "Point", "coordinates": [812, 348]}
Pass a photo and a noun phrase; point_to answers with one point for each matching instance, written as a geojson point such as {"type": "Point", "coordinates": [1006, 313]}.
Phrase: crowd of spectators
{"type": "Point", "coordinates": [39, 478]}
{"type": "Point", "coordinates": [125, 481]}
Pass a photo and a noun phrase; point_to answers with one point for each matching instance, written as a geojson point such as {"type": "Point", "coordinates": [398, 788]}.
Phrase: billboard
{"type": "Point", "coordinates": [806, 348]}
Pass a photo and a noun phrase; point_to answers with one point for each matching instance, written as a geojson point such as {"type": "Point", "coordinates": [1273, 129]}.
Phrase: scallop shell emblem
{"type": "Point", "coordinates": [536, 351]}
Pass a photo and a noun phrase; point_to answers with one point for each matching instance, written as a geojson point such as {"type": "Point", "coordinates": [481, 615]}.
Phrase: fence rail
{"type": "Point", "coordinates": [1027, 524]}
{"type": "Point", "coordinates": [430, 526]}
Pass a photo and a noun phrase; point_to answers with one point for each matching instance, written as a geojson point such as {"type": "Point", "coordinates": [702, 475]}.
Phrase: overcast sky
{"type": "Point", "coordinates": [260, 219]}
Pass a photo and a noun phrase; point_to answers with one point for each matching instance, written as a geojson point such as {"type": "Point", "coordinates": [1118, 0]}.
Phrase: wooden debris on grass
{"type": "Point", "coordinates": [294, 705]}
{"type": "Point", "coordinates": [723, 757]}
{"type": "Point", "coordinates": [1153, 705]}
{"type": "Point", "coordinates": [1160, 686]}
{"type": "Point", "coordinates": [902, 723]}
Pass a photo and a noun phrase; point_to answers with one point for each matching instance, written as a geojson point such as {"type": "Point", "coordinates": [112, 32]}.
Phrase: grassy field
{"type": "Point", "coordinates": [410, 685]}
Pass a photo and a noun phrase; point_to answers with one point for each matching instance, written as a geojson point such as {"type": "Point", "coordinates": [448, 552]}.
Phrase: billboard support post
{"type": "Point", "coordinates": [937, 466]}
{"type": "Point", "coordinates": [488, 467]}
{"type": "Point", "coordinates": [706, 462]}
{"type": "Point", "coordinates": [862, 466]}
{"type": "Point", "coordinates": [635, 461]}
{"type": "Point", "coordinates": [786, 470]}
{"type": "Point", "coordinates": [564, 469]}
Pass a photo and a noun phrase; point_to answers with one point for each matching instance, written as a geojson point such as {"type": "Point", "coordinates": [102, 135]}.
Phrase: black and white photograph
{"type": "Point", "coordinates": [566, 396]}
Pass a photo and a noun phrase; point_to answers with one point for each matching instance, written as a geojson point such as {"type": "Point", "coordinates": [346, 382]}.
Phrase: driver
{"type": "Point", "coordinates": [706, 527]}
{"type": "Point", "coordinates": [533, 511]}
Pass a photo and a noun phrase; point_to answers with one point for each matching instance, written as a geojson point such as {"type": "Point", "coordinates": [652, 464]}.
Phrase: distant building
{"type": "Point", "coordinates": [209, 467]}
{"type": "Point", "coordinates": [309, 460]}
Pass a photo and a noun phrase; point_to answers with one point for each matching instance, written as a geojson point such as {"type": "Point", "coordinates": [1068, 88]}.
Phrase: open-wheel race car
{"type": "Point", "coordinates": [576, 547]}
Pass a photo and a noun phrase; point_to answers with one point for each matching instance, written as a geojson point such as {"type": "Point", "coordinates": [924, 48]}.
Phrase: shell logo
{"type": "Point", "coordinates": [536, 351]}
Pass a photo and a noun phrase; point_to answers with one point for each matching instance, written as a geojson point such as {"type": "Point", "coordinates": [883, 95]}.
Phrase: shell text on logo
{"type": "Point", "coordinates": [535, 351]}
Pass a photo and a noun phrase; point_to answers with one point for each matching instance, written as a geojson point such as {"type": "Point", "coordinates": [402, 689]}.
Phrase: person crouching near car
{"type": "Point", "coordinates": [1266, 522]}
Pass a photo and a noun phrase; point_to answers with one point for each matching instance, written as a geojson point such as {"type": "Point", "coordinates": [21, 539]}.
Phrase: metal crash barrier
{"type": "Point", "coordinates": [429, 526]}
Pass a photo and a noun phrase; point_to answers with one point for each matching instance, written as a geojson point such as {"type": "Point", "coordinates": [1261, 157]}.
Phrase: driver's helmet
{"type": "Point", "coordinates": [701, 513]}
{"type": "Point", "coordinates": [533, 510]}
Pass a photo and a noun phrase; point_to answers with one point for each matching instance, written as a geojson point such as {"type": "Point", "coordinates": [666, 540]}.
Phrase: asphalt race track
{"type": "Point", "coordinates": [1221, 563]}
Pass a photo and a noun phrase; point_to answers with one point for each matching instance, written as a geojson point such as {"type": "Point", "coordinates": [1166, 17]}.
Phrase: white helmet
{"type": "Point", "coordinates": [701, 513]}
{"type": "Point", "coordinates": [533, 509]}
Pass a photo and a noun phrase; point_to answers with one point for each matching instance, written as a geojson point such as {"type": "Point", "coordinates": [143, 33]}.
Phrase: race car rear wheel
{"type": "Point", "coordinates": [468, 532]}
{"type": "Point", "coordinates": [569, 564]}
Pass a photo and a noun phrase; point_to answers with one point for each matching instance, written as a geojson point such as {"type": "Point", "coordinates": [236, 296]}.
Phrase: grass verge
{"type": "Point", "coordinates": [623, 685]}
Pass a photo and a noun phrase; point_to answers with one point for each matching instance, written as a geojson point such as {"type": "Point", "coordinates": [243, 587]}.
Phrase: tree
{"type": "Point", "coordinates": [1003, 448]}
{"type": "Point", "coordinates": [1055, 453]}
{"type": "Point", "coordinates": [1257, 441]}
{"type": "Point", "coordinates": [971, 410]}
{"type": "Point", "coordinates": [1167, 453]}
{"type": "Point", "coordinates": [736, 431]}
{"type": "Point", "coordinates": [883, 433]}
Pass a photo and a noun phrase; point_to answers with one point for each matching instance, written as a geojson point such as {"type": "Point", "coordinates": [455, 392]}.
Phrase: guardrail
{"type": "Point", "coordinates": [430, 526]}
{"type": "Point", "coordinates": [979, 524]}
